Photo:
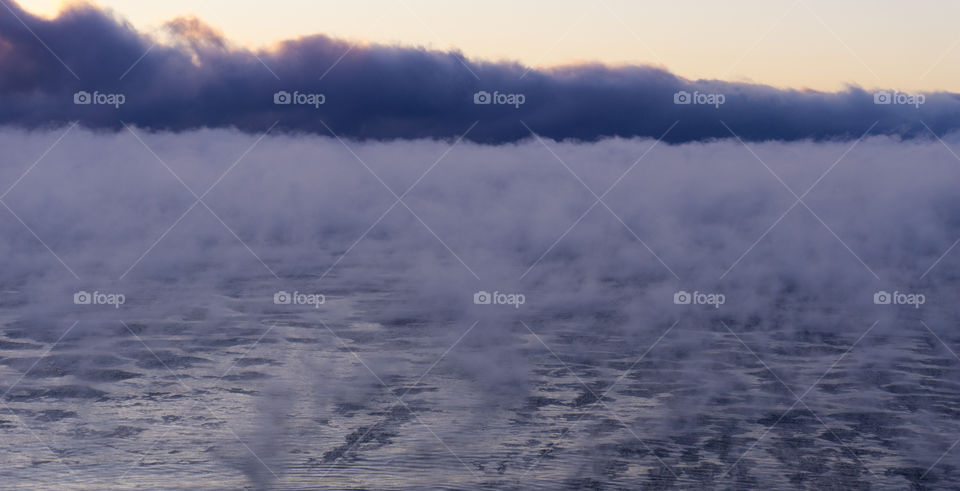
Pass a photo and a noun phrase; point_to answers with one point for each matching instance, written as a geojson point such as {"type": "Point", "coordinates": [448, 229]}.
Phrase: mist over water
{"type": "Point", "coordinates": [399, 379]}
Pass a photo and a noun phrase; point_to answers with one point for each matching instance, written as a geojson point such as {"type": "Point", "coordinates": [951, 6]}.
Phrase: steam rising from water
{"type": "Point", "coordinates": [680, 218]}
{"type": "Point", "coordinates": [518, 218]}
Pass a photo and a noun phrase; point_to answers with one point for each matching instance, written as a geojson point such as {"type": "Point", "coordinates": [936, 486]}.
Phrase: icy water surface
{"type": "Point", "coordinates": [601, 379]}
{"type": "Point", "coordinates": [241, 393]}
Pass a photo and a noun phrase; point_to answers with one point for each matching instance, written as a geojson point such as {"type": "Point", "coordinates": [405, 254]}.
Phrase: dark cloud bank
{"type": "Point", "coordinates": [198, 79]}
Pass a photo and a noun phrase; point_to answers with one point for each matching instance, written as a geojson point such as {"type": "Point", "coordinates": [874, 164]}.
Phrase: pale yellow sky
{"type": "Point", "coordinates": [819, 44]}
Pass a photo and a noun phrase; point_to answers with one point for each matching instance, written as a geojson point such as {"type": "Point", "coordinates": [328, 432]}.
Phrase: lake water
{"type": "Point", "coordinates": [232, 391]}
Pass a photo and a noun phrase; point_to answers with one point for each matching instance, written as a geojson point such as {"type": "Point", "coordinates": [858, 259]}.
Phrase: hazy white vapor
{"type": "Point", "coordinates": [121, 208]}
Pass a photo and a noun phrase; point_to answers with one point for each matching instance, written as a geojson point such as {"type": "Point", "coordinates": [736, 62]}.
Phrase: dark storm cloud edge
{"type": "Point", "coordinates": [385, 92]}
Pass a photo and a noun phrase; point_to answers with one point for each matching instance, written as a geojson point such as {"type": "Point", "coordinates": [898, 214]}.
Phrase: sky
{"type": "Point", "coordinates": [194, 76]}
{"type": "Point", "coordinates": [818, 44]}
